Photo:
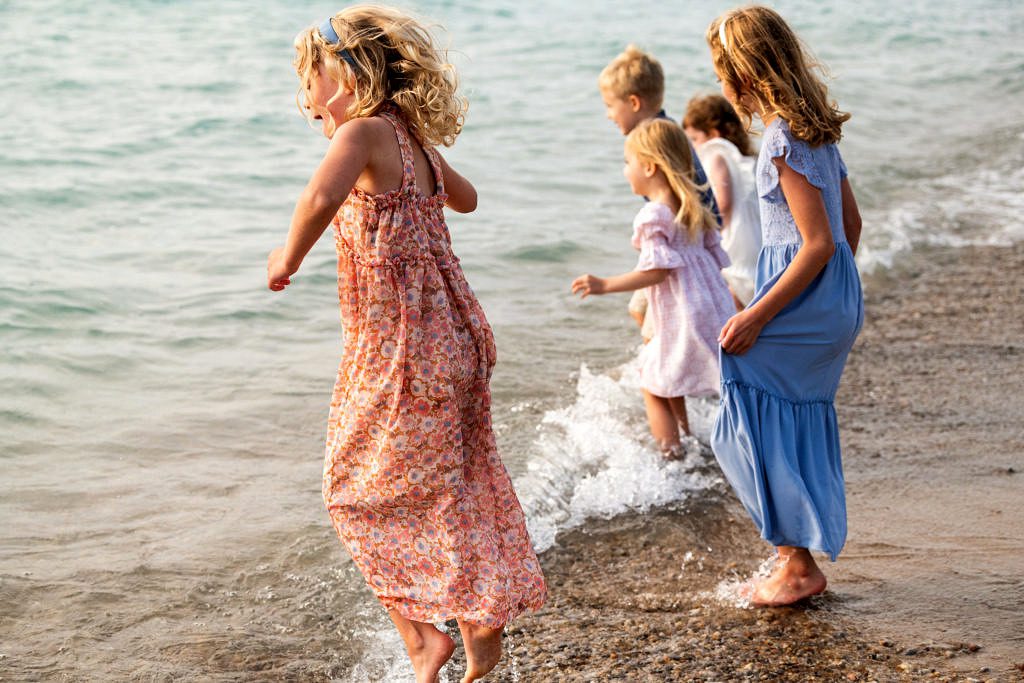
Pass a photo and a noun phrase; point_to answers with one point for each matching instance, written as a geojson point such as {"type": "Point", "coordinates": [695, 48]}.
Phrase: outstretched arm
{"type": "Point", "coordinates": [808, 207]}
{"type": "Point", "coordinates": [461, 193]}
{"type": "Point", "coordinates": [627, 282]}
{"type": "Point", "coordinates": [347, 156]}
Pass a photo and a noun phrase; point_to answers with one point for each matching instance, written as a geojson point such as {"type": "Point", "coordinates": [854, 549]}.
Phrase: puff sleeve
{"type": "Point", "coordinates": [653, 228]}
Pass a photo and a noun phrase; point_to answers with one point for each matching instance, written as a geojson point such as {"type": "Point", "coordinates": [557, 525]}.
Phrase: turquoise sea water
{"type": "Point", "coordinates": [162, 413]}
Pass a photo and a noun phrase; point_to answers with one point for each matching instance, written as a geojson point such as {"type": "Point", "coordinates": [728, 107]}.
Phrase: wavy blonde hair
{"type": "Point", "coordinates": [663, 143]}
{"type": "Point", "coordinates": [396, 61]}
{"type": "Point", "coordinates": [763, 57]}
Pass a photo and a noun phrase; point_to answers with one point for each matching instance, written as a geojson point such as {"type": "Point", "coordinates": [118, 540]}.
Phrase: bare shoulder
{"type": "Point", "coordinates": [367, 131]}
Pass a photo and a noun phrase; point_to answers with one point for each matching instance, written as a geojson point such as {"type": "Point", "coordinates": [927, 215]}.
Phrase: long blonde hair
{"type": "Point", "coordinates": [394, 59]}
{"type": "Point", "coordinates": [663, 143]}
{"type": "Point", "coordinates": [754, 51]}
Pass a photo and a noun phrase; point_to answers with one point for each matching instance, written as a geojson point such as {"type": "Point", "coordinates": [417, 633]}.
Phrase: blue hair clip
{"type": "Point", "coordinates": [328, 33]}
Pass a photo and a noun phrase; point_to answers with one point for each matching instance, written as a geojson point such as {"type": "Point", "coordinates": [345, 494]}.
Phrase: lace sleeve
{"type": "Point", "coordinates": [779, 142]}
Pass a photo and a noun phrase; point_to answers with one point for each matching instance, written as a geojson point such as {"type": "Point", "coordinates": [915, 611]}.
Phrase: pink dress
{"type": "Point", "coordinates": [689, 307]}
{"type": "Point", "coordinates": [412, 478]}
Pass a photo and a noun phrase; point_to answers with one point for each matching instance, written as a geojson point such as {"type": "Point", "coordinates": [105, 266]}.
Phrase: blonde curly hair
{"type": "Point", "coordinates": [394, 60]}
{"type": "Point", "coordinates": [755, 52]}
{"type": "Point", "coordinates": [663, 143]}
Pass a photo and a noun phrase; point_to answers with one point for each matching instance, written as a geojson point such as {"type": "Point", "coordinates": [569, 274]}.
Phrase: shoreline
{"type": "Point", "coordinates": [929, 583]}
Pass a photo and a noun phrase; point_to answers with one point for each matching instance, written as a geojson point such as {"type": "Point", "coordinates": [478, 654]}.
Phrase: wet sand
{"type": "Point", "coordinates": [931, 583]}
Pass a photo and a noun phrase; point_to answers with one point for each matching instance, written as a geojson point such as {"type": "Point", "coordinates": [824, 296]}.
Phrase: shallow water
{"type": "Point", "coordinates": [163, 414]}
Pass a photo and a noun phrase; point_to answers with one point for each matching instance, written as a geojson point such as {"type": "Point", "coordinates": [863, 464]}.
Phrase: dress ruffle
{"type": "Point", "coordinates": [780, 142]}
{"type": "Point", "coordinates": [653, 232]}
{"type": "Point", "coordinates": [776, 437]}
{"type": "Point", "coordinates": [783, 459]}
{"type": "Point", "coordinates": [655, 254]}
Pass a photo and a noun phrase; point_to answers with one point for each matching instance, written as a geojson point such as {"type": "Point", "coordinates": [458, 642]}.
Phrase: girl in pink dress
{"type": "Point", "coordinates": [680, 268]}
{"type": "Point", "coordinates": [412, 478]}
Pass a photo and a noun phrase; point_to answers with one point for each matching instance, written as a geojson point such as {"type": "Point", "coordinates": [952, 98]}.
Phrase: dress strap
{"type": "Point", "coordinates": [405, 147]}
{"type": "Point", "coordinates": [435, 163]}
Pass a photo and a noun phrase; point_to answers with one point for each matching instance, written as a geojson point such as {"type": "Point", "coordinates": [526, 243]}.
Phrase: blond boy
{"type": "Point", "coordinates": [633, 87]}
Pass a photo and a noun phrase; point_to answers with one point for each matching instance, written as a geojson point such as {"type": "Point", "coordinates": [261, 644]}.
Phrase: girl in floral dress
{"type": "Point", "coordinates": [412, 478]}
{"type": "Point", "coordinates": [680, 270]}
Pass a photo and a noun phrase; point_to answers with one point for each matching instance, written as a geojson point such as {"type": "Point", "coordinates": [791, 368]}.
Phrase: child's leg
{"type": "Point", "coordinates": [428, 648]}
{"type": "Point", "coordinates": [678, 406]}
{"type": "Point", "coordinates": [483, 649]}
{"type": "Point", "coordinates": [796, 576]}
{"type": "Point", "coordinates": [663, 422]}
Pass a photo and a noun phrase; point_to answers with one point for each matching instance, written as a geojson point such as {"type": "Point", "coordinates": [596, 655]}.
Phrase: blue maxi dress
{"type": "Point", "coordinates": [776, 436]}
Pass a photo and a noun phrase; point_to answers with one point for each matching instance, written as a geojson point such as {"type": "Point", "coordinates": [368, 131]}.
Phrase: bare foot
{"type": "Point", "coordinates": [796, 576]}
{"type": "Point", "coordinates": [673, 453]}
{"type": "Point", "coordinates": [428, 648]}
{"type": "Point", "coordinates": [746, 589]}
{"type": "Point", "coordinates": [436, 650]}
{"type": "Point", "coordinates": [483, 649]}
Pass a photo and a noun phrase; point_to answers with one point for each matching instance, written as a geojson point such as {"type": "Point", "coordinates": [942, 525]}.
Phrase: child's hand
{"type": "Point", "coordinates": [588, 284]}
{"type": "Point", "coordinates": [278, 273]}
{"type": "Point", "coordinates": [740, 332]}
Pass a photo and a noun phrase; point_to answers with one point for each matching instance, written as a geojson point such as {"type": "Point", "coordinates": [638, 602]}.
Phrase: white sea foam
{"type": "Point", "coordinates": [731, 591]}
{"type": "Point", "coordinates": [594, 459]}
{"type": "Point", "coordinates": [983, 206]}
{"type": "Point", "coordinates": [385, 660]}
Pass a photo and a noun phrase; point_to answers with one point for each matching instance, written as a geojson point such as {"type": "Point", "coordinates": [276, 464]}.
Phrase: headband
{"type": "Point", "coordinates": [328, 33]}
{"type": "Point", "coordinates": [721, 34]}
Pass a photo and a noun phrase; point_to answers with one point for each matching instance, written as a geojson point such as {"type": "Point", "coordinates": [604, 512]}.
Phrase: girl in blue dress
{"type": "Point", "coordinates": [776, 436]}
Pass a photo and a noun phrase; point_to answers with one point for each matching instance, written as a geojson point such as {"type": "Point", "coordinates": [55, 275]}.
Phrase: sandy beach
{"type": "Point", "coordinates": [929, 586]}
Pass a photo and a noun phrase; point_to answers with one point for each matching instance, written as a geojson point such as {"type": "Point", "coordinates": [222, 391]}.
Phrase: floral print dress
{"type": "Point", "coordinates": [412, 478]}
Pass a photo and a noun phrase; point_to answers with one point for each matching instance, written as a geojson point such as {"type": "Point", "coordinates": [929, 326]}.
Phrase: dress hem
{"type": "Point", "coordinates": [441, 614]}
{"type": "Point", "coordinates": [777, 541]}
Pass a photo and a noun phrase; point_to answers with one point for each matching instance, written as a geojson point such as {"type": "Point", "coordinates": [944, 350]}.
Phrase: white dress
{"type": "Point", "coordinates": [741, 238]}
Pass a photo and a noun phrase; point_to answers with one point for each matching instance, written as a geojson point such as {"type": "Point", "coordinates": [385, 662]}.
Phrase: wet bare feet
{"type": "Point", "coordinates": [428, 648]}
{"type": "Point", "coordinates": [673, 453]}
{"type": "Point", "coordinates": [796, 576]}
{"type": "Point", "coordinates": [483, 649]}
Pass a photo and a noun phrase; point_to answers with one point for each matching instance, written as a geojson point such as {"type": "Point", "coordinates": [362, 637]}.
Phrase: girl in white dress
{"type": "Point", "coordinates": [725, 151]}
